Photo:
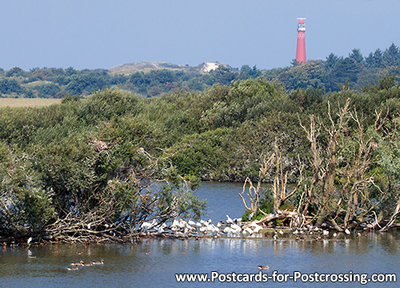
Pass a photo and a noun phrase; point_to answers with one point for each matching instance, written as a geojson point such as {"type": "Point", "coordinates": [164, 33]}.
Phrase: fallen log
{"type": "Point", "coordinates": [279, 215]}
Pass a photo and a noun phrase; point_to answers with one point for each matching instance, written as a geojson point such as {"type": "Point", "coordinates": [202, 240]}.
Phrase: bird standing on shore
{"type": "Point", "coordinates": [28, 242]}
{"type": "Point", "coordinates": [229, 220]}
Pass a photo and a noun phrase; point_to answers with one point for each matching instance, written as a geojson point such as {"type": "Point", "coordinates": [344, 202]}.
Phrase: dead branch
{"type": "Point", "coordinates": [393, 218]}
{"type": "Point", "coordinates": [279, 215]}
{"type": "Point", "coordinates": [253, 193]}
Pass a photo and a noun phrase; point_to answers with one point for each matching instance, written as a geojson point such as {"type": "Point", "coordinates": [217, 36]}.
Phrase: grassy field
{"type": "Point", "coordinates": [27, 102]}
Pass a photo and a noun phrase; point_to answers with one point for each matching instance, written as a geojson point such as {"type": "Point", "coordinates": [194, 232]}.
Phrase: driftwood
{"type": "Point", "coordinates": [336, 226]}
{"type": "Point", "coordinates": [279, 215]}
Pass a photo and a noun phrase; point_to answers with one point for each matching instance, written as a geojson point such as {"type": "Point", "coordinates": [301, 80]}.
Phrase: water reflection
{"type": "Point", "coordinates": [153, 263]}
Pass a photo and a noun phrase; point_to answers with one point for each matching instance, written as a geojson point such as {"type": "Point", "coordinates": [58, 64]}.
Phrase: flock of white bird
{"type": "Point", "coordinates": [230, 227]}
{"type": "Point", "coordinates": [310, 230]}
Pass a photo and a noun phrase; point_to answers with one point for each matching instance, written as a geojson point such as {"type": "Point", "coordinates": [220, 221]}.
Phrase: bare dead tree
{"type": "Point", "coordinates": [279, 190]}
{"type": "Point", "coordinates": [253, 193]}
{"type": "Point", "coordinates": [280, 194]}
{"type": "Point", "coordinates": [339, 186]}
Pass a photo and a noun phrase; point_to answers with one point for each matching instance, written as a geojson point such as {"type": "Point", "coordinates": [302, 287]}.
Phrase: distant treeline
{"type": "Point", "coordinates": [329, 74]}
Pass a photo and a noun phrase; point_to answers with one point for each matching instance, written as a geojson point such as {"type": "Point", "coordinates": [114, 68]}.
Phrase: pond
{"type": "Point", "coordinates": [154, 263]}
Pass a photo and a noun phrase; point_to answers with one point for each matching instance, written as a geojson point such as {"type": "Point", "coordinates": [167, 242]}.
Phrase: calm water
{"type": "Point", "coordinates": [222, 200]}
{"type": "Point", "coordinates": [153, 263]}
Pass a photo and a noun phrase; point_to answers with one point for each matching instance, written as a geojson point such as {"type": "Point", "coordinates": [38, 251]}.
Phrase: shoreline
{"type": "Point", "coordinates": [274, 234]}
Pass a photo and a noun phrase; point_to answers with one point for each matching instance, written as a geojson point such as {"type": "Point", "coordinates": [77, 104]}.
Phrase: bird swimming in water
{"type": "Point", "coordinates": [101, 262]}
{"type": "Point", "coordinates": [261, 267]}
{"type": "Point", "coordinates": [80, 263]}
{"type": "Point", "coordinates": [72, 268]}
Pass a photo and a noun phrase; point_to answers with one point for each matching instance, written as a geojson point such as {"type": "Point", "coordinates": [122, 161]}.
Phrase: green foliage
{"type": "Point", "coordinates": [84, 157]}
{"type": "Point", "coordinates": [266, 205]}
{"type": "Point", "coordinates": [329, 74]}
{"type": "Point", "coordinates": [246, 72]}
{"type": "Point", "coordinates": [248, 99]}
{"type": "Point", "coordinates": [101, 154]}
{"type": "Point", "coordinates": [308, 75]}
{"type": "Point", "coordinates": [10, 87]}
{"type": "Point", "coordinates": [69, 98]}
{"type": "Point", "coordinates": [203, 154]}
{"type": "Point", "coordinates": [86, 84]}
{"type": "Point", "coordinates": [48, 91]}
{"type": "Point", "coordinates": [25, 205]}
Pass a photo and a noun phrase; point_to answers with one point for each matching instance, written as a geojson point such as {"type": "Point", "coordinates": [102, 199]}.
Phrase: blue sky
{"type": "Point", "coordinates": [104, 33]}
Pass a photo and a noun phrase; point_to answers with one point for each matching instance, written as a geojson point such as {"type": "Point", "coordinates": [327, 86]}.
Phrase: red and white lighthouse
{"type": "Point", "coordinates": [301, 41]}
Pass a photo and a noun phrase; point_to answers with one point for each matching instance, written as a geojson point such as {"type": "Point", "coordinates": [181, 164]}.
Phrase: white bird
{"type": "Point", "coordinates": [183, 224]}
{"type": "Point", "coordinates": [247, 230]}
{"type": "Point", "coordinates": [29, 240]}
{"type": "Point", "coordinates": [229, 220]}
{"type": "Point", "coordinates": [190, 228]}
{"type": "Point", "coordinates": [236, 228]}
{"type": "Point", "coordinates": [159, 230]}
{"type": "Point", "coordinates": [256, 228]}
{"type": "Point", "coordinates": [203, 229]}
{"type": "Point", "coordinates": [175, 224]}
{"type": "Point", "coordinates": [347, 231]}
{"type": "Point", "coordinates": [191, 223]}
{"type": "Point", "coordinates": [203, 222]}
{"type": "Point", "coordinates": [145, 225]}
{"type": "Point", "coordinates": [281, 232]}
{"type": "Point", "coordinates": [228, 230]}
{"type": "Point", "coordinates": [213, 228]}
{"type": "Point", "coordinates": [219, 224]}
{"type": "Point", "coordinates": [325, 232]}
